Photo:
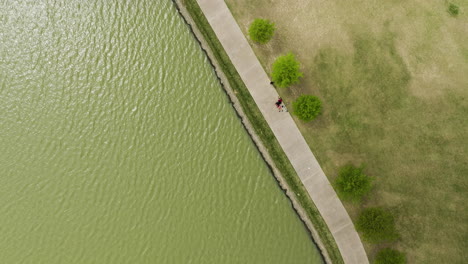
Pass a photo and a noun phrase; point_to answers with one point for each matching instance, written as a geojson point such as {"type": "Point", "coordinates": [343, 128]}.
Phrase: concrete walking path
{"type": "Point", "coordinates": [285, 130]}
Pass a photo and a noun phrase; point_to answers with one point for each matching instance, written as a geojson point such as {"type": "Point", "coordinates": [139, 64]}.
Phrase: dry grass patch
{"type": "Point", "coordinates": [393, 79]}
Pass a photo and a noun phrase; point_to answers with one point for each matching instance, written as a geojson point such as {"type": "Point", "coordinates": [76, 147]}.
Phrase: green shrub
{"type": "Point", "coordinates": [453, 9]}
{"type": "Point", "coordinates": [307, 107]}
{"type": "Point", "coordinates": [261, 30]}
{"type": "Point", "coordinates": [285, 71]}
{"type": "Point", "coordinates": [390, 256]}
{"type": "Point", "coordinates": [376, 225]}
{"type": "Point", "coordinates": [352, 184]}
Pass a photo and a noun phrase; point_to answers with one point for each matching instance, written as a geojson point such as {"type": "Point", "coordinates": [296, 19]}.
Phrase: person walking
{"type": "Point", "coordinates": [279, 104]}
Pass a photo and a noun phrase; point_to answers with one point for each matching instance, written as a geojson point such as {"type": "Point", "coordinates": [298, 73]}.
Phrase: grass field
{"type": "Point", "coordinates": [393, 77]}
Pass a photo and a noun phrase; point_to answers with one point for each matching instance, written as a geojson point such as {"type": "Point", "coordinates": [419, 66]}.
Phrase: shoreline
{"type": "Point", "coordinates": [246, 123]}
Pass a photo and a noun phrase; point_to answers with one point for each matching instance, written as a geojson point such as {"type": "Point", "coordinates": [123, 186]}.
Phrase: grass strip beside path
{"type": "Point", "coordinates": [263, 130]}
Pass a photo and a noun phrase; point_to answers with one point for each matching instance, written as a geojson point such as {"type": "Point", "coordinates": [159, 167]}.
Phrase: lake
{"type": "Point", "coordinates": [118, 145]}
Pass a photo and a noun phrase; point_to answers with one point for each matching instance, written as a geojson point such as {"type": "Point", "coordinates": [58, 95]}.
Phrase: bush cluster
{"type": "Point", "coordinates": [352, 184]}
{"type": "Point", "coordinates": [285, 71]}
{"type": "Point", "coordinates": [307, 107]}
{"type": "Point", "coordinates": [376, 225]}
{"type": "Point", "coordinates": [261, 30]}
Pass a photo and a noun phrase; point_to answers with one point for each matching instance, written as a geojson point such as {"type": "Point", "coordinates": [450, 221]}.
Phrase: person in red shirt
{"type": "Point", "coordinates": [278, 103]}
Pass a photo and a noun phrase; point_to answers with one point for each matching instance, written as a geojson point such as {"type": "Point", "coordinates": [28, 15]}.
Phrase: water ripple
{"type": "Point", "coordinates": [119, 146]}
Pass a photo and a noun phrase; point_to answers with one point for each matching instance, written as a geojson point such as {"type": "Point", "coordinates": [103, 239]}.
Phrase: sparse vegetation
{"type": "Point", "coordinates": [285, 71]}
{"type": "Point", "coordinates": [261, 30]}
{"type": "Point", "coordinates": [453, 9]}
{"type": "Point", "coordinates": [390, 256]}
{"type": "Point", "coordinates": [307, 107]}
{"type": "Point", "coordinates": [376, 225]}
{"type": "Point", "coordinates": [352, 184]}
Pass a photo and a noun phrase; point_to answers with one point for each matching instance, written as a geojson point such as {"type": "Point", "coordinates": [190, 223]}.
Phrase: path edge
{"type": "Point", "coordinates": [234, 100]}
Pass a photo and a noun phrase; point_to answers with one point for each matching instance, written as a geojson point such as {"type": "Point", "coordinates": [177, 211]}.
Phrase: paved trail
{"type": "Point", "coordinates": [285, 130]}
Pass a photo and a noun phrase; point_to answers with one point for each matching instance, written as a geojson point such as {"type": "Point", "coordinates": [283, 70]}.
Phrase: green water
{"type": "Point", "coordinates": [118, 145]}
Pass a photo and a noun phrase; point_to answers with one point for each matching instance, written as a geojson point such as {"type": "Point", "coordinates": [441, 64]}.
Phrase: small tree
{"type": "Point", "coordinates": [453, 9]}
{"type": "Point", "coordinates": [376, 225]}
{"type": "Point", "coordinates": [285, 71]}
{"type": "Point", "coordinates": [390, 256]}
{"type": "Point", "coordinates": [307, 107]}
{"type": "Point", "coordinates": [261, 30]}
{"type": "Point", "coordinates": [352, 184]}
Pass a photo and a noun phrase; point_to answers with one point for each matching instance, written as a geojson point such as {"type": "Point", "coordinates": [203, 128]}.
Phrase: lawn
{"type": "Point", "coordinates": [393, 78]}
